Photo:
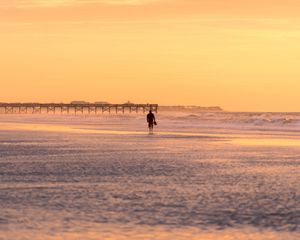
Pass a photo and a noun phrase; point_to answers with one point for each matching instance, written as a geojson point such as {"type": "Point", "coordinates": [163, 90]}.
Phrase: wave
{"type": "Point", "coordinates": [169, 120]}
{"type": "Point", "coordinates": [239, 120]}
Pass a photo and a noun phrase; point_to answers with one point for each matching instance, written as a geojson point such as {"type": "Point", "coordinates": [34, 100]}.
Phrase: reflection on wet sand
{"type": "Point", "coordinates": [279, 142]}
{"type": "Point", "coordinates": [239, 139]}
{"type": "Point", "coordinates": [156, 233]}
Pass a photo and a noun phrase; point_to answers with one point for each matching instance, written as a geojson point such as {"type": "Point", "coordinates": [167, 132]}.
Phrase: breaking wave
{"type": "Point", "coordinates": [240, 120]}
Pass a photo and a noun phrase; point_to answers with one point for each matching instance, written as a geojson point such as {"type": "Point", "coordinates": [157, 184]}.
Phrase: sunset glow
{"type": "Point", "coordinates": [240, 55]}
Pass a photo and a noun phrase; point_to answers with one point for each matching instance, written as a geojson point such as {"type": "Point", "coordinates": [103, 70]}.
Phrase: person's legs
{"type": "Point", "coordinates": [150, 125]}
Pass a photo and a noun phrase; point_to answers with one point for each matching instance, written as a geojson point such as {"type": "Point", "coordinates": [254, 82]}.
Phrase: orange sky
{"type": "Point", "coordinates": [241, 55]}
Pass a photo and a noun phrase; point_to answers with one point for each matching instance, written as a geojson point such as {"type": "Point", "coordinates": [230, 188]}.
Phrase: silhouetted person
{"type": "Point", "coordinates": [151, 121]}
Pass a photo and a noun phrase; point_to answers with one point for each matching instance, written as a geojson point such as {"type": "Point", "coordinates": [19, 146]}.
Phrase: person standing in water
{"type": "Point", "coordinates": [151, 121]}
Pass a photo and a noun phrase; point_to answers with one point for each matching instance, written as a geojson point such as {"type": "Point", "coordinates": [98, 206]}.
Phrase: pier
{"type": "Point", "coordinates": [63, 108]}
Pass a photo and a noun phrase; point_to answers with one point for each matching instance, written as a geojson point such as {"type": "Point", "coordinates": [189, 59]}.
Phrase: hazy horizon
{"type": "Point", "coordinates": [160, 105]}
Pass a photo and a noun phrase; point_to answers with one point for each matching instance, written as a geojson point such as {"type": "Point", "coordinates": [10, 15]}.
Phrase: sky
{"type": "Point", "coordinates": [238, 54]}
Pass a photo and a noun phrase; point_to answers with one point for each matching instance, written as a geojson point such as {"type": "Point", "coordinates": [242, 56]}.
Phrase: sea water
{"type": "Point", "coordinates": [199, 176]}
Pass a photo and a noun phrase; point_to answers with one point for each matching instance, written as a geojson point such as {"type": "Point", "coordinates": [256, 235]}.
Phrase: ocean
{"type": "Point", "coordinates": [207, 176]}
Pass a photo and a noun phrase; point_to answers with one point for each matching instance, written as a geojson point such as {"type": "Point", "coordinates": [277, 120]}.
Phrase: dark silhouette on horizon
{"type": "Point", "coordinates": [74, 107]}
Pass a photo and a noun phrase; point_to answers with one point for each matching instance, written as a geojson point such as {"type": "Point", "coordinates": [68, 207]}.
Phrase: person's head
{"type": "Point", "coordinates": [150, 111]}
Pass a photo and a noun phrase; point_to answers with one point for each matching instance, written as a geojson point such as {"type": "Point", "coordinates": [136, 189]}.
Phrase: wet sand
{"type": "Point", "coordinates": [108, 179]}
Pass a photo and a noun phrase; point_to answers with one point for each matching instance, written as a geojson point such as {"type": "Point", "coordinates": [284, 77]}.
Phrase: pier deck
{"type": "Point", "coordinates": [63, 108]}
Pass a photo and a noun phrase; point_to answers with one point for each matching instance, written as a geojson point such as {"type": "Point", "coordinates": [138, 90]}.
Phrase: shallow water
{"type": "Point", "coordinates": [105, 178]}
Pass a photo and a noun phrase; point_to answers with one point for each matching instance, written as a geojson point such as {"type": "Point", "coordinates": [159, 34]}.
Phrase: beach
{"type": "Point", "coordinates": [199, 176]}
